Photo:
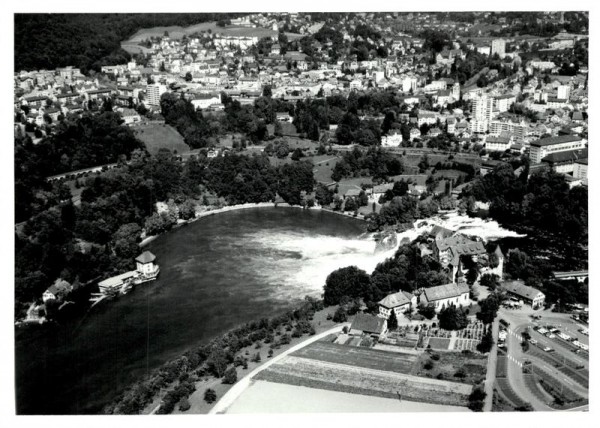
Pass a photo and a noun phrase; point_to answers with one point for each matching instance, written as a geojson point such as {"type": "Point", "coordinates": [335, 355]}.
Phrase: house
{"type": "Point", "coordinates": [531, 296]}
{"type": "Point", "coordinates": [448, 252]}
{"type": "Point", "coordinates": [146, 270]}
{"type": "Point", "coordinates": [445, 295]}
{"type": "Point", "coordinates": [283, 117]}
{"type": "Point", "coordinates": [57, 291]}
{"type": "Point", "coordinates": [352, 193]}
{"type": "Point", "coordinates": [368, 324]}
{"type": "Point", "coordinates": [130, 116]}
{"type": "Point", "coordinates": [399, 302]}
{"type": "Point", "coordinates": [145, 263]}
{"type": "Point", "coordinates": [438, 233]}
{"type": "Point", "coordinates": [414, 133]}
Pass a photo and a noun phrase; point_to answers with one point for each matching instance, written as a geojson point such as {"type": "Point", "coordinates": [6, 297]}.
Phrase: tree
{"type": "Point", "coordinates": [476, 399]}
{"type": "Point", "coordinates": [230, 376]}
{"type": "Point", "coordinates": [489, 308]}
{"type": "Point", "coordinates": [452, 318]}
{"type": "Point", "coordinates": [490, 280]}
{"type": "Point", "coordinates": [428, 311]}
{"type": "Point", "coordinates": [392, 321]}
{"type": "Point", "coordinates": [340, 315]}
{"type": "Point", "coordinates": [487, 341]}
{"type": "Point", "coordinates": [188, 77]}
{"type": "Point", "coordinates": [297, 154]}
{"type": "Point", "coordinates": [350, 204]}
{"type": "Point", "coordinates": [349, 281]}
{"type": "Point", "coordinates": [210, 396]}
{"type": "Point", "coordinates": [267, 91]}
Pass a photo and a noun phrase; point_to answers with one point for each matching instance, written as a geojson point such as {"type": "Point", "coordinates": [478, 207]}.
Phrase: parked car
{"type": "Point", "coordinates": [548, 349]}
{"type": "Point", "coordinates": [533, 341]}
{"type": "Point", "coordinates": [550, 335]}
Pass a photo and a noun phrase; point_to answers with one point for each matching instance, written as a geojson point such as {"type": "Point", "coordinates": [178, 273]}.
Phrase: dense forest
{"type": "Point", "coordinates": [87, 41]}
{"type": "Point", "coordinates": [542, 206]}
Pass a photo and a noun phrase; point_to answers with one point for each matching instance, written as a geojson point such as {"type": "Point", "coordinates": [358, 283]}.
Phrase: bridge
{"type": "Point", "coordinates": [579, 275]}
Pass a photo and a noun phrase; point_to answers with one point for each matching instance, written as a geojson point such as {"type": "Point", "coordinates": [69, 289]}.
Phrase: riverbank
{"type": "Point", "coordinates": [229, 208]}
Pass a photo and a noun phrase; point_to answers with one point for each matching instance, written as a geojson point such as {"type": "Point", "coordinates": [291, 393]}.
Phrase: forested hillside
{"type": "Point", "coordinates": [87, 41]}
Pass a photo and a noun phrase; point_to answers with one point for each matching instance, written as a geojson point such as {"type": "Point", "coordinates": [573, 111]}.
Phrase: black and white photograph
{"type": "Point", "coordinates": [294, 212]}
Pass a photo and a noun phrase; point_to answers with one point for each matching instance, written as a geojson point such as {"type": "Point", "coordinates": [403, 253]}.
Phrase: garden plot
{"type": "Point", "coordinates": [358, 356]}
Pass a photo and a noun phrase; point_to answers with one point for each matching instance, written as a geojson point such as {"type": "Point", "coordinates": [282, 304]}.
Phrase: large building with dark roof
{"type": "Point", "coordinates": [545, 146]}
{"type": "Point", "coordinates": [531, 296]}
{"type": "Point", "coordinates": [445, 295]}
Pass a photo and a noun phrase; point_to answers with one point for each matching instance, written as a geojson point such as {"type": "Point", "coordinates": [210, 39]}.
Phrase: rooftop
{"type": "Point", "coordinates": [145, 257]}
{"type": "Point", "coordinates": [368, 323]}
{"type": "Point", "coordinates": [550, 141]}
{"type": "Point", "coordinates": [445, 291]}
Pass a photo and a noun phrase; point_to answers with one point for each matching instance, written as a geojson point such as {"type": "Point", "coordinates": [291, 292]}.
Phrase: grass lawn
{"type": "Point", "coordinates": [161, 136]}
{"type": "Point", "coordinates": [323, 167]}
{"type": "Point", "coordinates": [352, 183]}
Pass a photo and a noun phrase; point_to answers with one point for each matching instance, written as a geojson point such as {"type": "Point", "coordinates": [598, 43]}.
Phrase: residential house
{"type": "Point", "coordinates": [448, 252]}
{"type": "Point", "coordinates": [399, 302]}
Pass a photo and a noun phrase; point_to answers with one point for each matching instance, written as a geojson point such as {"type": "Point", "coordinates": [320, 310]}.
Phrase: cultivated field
{"type": "Point", "coordinates": [359, 380]}
{"type": "Point", "coordinates": [157, 136]}
{"type": "Point", "coordinates": [357, 356]}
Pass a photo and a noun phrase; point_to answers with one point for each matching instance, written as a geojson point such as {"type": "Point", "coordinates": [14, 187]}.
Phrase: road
{"type": "Point", "coordinates": [491, 369]}
{"type": "Point", "coordinates": [237, 389]}
{"type": "Point", "coordinates": [520, 322]}
{"type": "Point", "coordinates": [514, 372]}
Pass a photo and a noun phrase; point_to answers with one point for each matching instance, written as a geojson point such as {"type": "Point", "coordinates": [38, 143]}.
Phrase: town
{"type": "Point", "coordinates": [404, 121]}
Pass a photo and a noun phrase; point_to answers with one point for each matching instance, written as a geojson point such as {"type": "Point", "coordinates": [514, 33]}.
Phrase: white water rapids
{"type": "Point", "coordinates": [309, 259]}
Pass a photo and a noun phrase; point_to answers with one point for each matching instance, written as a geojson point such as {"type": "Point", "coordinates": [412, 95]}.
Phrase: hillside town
{"type": "Point", "coordinates": [458, 139]}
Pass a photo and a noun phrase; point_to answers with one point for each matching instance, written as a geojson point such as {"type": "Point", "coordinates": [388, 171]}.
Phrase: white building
{"type": "Point", "coordinates": [398, 302]}
{"type": "Point", "coordinates": [445, 295]}
{"type": "Point", "coordinates": [545, 146]}
{"type": "Point", "coordinates": [580, 170]}
{"type": "Point", "coordinates": [499, 47]}
{"type": "Point", "coordinates": [482, 108]}
{"type": "Point", "coordinates": [563, 92]}
{"type": "Point", "coordinates": [392, 140]}
{"type": "Point", "coordinates": [154, 92]}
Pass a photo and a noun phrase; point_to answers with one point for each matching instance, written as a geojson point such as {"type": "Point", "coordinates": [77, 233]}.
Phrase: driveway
{"type": "Point", "coordinates": [491, 369]}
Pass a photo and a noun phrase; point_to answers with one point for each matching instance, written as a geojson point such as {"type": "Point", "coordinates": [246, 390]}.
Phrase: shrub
{"type": "Point", "coordinates": [270, 353]}
{"type": "Point", "coordinates": [340, 315]}
{"type": "Point", "coordinates": [428, 365]}
{"type": "Point", "coordinates": [210, 396]}
{"type": "Point", "coordinates": [435, 357]}
{"type": "Point", "coordinates": [460, 373]}
{"type": "Point", "coordinates": [184, 404]}
{"type": "Point", "coordinates": [230, 376]}
{"type": "Point", "coordinates": [256, 358]}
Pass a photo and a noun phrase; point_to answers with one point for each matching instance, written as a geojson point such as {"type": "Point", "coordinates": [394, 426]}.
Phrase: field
{"type": "Point", "coordinates": [177, 32]}
{"type": "Point", "coordinates": [360, 357]}
{"type": "Point", "coordinates": [359, 380]}
{"type": "Point", "coordinates": [323, 167]}
{"type": "Point", "coordinates": [474, 366]}
{"type": "Point", "coordinates": [157, 136]}
{"type": "Point", "coordinates": [267, 397]}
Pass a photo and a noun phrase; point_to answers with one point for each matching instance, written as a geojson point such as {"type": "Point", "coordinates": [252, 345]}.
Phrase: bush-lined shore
{"type": "Point", "coordinates": [168, 387]}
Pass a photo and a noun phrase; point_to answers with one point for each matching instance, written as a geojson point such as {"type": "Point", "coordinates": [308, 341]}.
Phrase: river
{"type": "Point", "coordinates": [216, 273]}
